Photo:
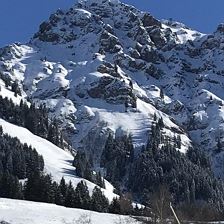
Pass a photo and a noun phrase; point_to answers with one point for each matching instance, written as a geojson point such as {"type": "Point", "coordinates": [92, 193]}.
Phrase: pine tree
{"type": "Point", "coordinates": [10, 186]}
{"type": "Point", "coordinates": [32, 188]}
{"type": "Point", "coordinates": [9, 163]}
{"type": "Point", "coordinates": [160, 123]}
{"type": "Point", "coordinates": [70, 196]}
{"type": "Point", "coordinates": [16, 89]}
{"type": "Point", "coordinates": [88, 174]}
{"type": "Point", "coordinates": [63, 187]}
{"type": "Point", "coordinates": [47, 193]}
{"type": "Point", "coordinates": [83, 167]}
{"type": "Point", "coordinates": [100, 180]}
{"type": "Point", "coordinates": [178, 142]}
{"type": "Point", "coordinates": [58, 198]}
{"type": "Point", "coordinates": [99, 202]}
{"type": "Point", "coordinates": [82, 198]}
{"type": "Point", "coordinates": [115, 207]}
{"type": "Point", "coordinates": [154, 117]}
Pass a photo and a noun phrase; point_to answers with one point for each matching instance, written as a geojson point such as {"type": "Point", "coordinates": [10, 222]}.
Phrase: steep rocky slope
{"type": "Point", "coordinates": [104, 66]}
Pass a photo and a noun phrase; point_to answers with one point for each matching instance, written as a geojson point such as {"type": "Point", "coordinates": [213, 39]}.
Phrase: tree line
{"type": "Point", "coordinates": [35, 119]}
{"type": "Point", "coordinates": [17, 162]}
{"type": "Point", "coordinates": [84, 169]}
{"type": "Point", "coordinates": [22, 162]}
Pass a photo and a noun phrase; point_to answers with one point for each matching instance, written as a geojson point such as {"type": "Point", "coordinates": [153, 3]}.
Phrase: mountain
{"type": "Point", "coordinates": [88, 90]}
{"type": "Point", "coordinates": [114, 76]}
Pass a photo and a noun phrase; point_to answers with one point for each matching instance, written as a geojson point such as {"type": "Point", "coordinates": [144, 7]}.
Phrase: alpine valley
{"type": "Point", "coordinates": [131, 106]}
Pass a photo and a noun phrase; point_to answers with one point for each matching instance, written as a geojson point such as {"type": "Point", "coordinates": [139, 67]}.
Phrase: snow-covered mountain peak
{"type": "Point", "coordinates": [98, 2]}
{"type": "Point", "coordinates": [89, 17]}
{"type": "Point", "coordinates": [103, 66]}
{"type": "Point", "coordinates": [220, 28]}
{"type": "Point", "coordinates": [90, 62]}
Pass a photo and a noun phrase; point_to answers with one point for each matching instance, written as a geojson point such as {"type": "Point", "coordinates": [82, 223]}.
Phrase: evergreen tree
{"type": "Point", "coordinates": [63, 187]}
{"type": "Point", "coordinates": [117, 156]}
{"type": "Point", "coordinates": [99, 202]}
{"type": "Point", "coordinates": [100, 180]}
{"type": "Point", "coordinates": [178, 142]}
{"type": "Point", "coordinates": [10, 186]}
{"type": "Point", "coordinates": [47, 191]}
{"type": "Point", "coordinates": [82, 198]}
{"type": "Point", "coordinates": [1, 130]}
{"type": "Point", "coordinates": [83, 167]}
{"type": "Point", "coordinates": [70, 199]}
{"type": "Point", "coordinates": [115, 207]}
{"type": "Point", "coordinates": [32, 188]}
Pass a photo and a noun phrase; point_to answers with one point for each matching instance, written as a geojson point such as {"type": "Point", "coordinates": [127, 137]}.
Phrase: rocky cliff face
{"type": "Point", "coordinates": [104, 66]}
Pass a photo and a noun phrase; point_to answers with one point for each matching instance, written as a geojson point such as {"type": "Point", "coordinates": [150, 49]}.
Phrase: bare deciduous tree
{"type": "Point", "coordinates": [160, 201]}
{"type": "Point", "coordinates": [126, 204]}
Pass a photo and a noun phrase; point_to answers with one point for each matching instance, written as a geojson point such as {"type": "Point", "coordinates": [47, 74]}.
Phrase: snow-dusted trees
{"type": "Point", "coordinates": [117, 156]}
{"type": "Point", "coordinates": [188, 177]}
{"type": "Point", "coordinates": [18, 159]}
{"type": "Point", "coordinates": [39, 187]}
{"type": "Point", "coordinates": [99, 202]}
{"type": "Point", "coordinates": [82, 198]}
{"type": "Point", "coordinates": [34, 119]}
{"type": "Point", "coordinates": [10, 186]}
{"type": "Point", "coordinates": [84, 169]}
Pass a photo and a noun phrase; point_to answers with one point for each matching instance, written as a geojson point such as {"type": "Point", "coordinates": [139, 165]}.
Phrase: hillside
{"type": "Point", "coordinates": [58, 163]}
{"type": "Point", "coordinates": [12, 211]}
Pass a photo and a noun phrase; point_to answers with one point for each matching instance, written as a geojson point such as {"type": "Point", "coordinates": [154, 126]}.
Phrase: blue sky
{"type": "Point", "coordinates": [21, 18]}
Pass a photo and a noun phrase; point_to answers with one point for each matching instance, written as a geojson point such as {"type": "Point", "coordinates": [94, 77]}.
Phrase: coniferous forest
{"type": "Point", "coordinates": [22, 177]}
{"type": "Point", "coordinates": [188, 178]}
{"type": "Point", "coordinates": [35, 119]}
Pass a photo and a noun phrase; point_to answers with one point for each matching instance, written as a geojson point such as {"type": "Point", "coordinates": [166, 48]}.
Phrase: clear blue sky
{"type": "Point", "coordinates": [21, 18]}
